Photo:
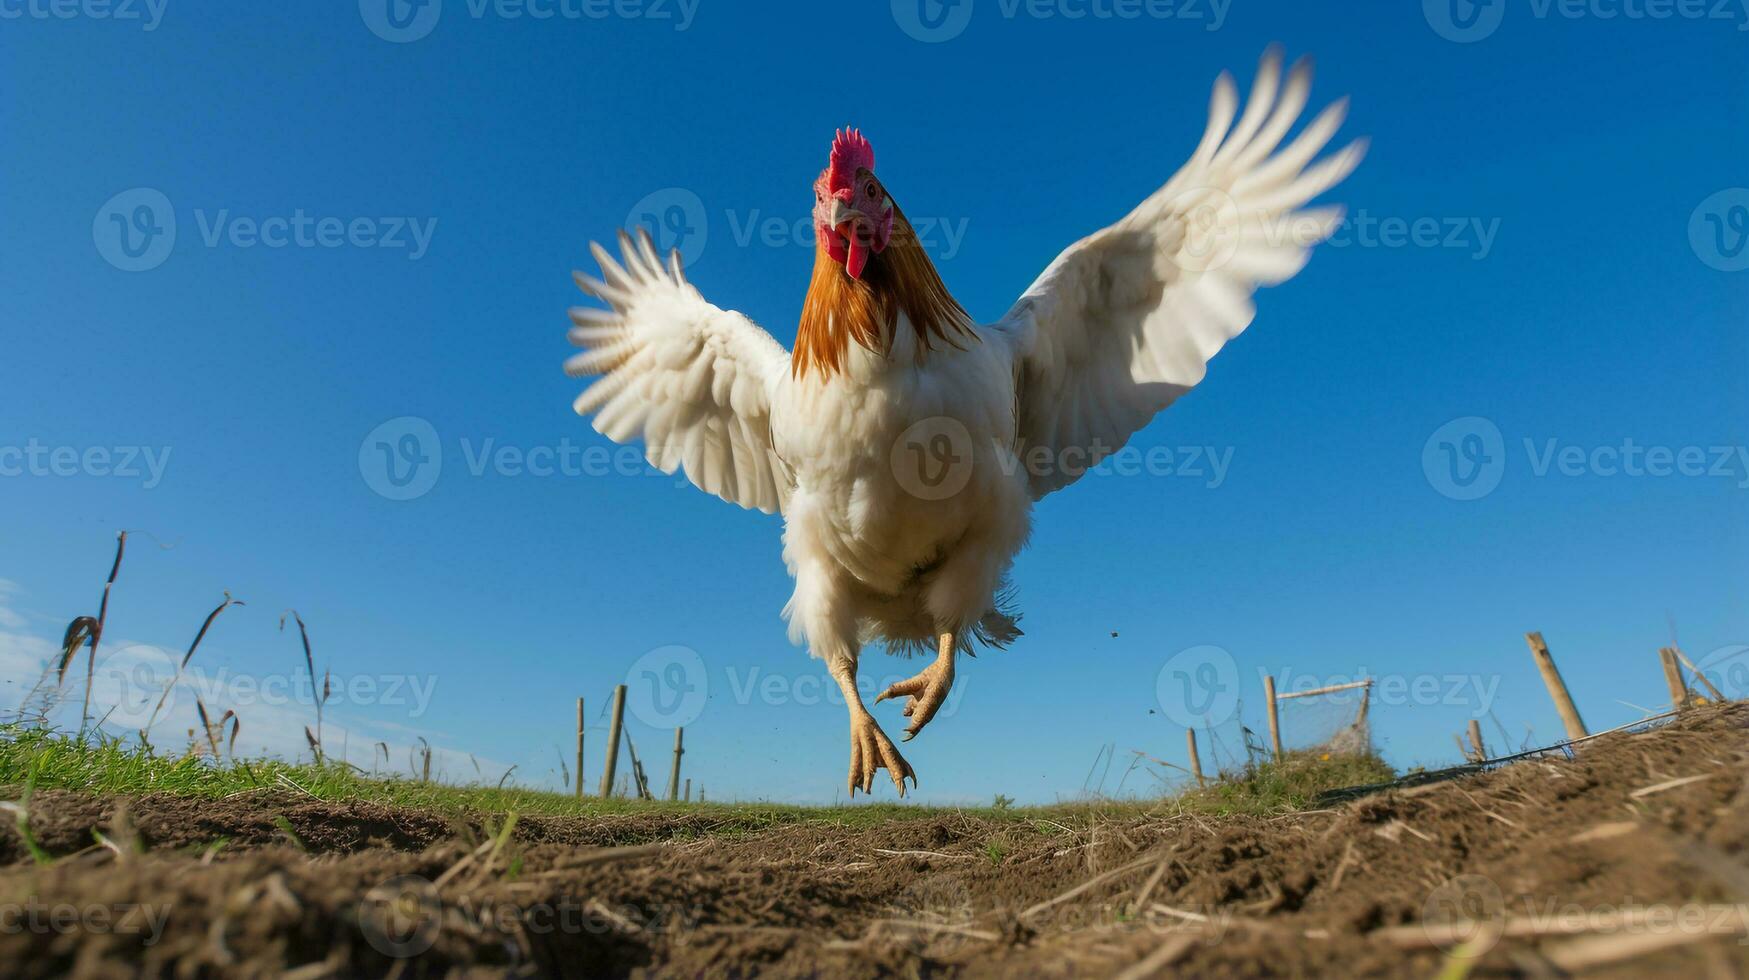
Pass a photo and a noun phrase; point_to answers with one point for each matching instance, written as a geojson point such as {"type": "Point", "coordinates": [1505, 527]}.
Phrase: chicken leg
{"type": "Point", "coordinates": [870, 748]}
{"type": "Point", "coordinates": [927, 691]}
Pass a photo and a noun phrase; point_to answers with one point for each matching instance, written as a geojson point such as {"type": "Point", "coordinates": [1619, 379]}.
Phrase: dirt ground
{"type": "Point", "coordinates": [1630, 858]}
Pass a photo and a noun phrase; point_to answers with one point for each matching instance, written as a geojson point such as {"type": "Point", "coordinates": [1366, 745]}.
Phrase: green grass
{"type": "Point", "coordinates": [1300, 780]}
{"type": "Point", "coordinates": [44, 759]}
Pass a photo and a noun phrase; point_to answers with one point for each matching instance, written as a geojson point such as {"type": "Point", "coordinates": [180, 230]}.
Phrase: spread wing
{"type": "Point", "coordinates": [1126, 320]}
{"type": "Point", "coordinates": [692, 381]}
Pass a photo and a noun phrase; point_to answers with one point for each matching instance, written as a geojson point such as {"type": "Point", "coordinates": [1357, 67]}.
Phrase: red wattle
{"type": "Point", "coordinates": [858, 257]}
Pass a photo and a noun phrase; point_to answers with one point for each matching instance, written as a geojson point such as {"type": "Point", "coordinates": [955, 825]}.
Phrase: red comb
{"type": "Point", "coordinates": [849, 151]}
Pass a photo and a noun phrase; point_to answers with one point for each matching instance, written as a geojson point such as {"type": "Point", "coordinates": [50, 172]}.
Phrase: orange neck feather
{"type": "Point", "coordinates": [839, 309]}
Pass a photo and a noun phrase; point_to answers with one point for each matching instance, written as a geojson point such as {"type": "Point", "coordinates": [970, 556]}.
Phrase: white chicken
{"type": "Point", "coordinates": [903, 443]}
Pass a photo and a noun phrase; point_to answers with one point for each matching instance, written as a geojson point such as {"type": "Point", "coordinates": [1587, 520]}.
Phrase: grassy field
{"type": "Point", "coordinates": [34, 758]}
{"type": "Point", "coordinates": [1276, 870]}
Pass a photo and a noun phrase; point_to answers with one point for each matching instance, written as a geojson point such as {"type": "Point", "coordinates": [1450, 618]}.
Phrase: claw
{"type": "Point", "coordinates": [927, 692]}
{"type": "Point", "coordinates": [911, 686]}
{"type": "Point", "coordinates": [870, 749]}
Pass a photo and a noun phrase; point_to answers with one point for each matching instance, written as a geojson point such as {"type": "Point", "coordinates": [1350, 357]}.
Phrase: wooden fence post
{"type": "Point", "coordinates": [1274, 717]}
{"type": "Point", "coordinates": [1673, 678]}
{"type": "Point", "coordinates": [613, 733]}
{"type": "Point", "coordinates": [1698, 675]}
{"type": "Point", "coordinates": [579, 748]}
{"type": "Point", "coordinates": [1195, 760]}
{"type": "Point", "coordinates": [640, 784]}
{"type": "Point", "coordinates": [689, 789]}
{"type": "Point", "coordinates": [1545, 663]}
{"type": "Point", "coordinates": [674, 774]}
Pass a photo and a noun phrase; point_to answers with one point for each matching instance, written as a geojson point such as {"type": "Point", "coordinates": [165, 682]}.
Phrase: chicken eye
{"type": "Point", "coordinates": [873, 191]}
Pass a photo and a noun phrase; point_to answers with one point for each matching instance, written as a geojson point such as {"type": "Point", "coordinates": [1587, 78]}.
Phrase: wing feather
{"type": "Point", "coordinates": [692, 381]}
{"type": "Point", "coordinates": [1126, 320]}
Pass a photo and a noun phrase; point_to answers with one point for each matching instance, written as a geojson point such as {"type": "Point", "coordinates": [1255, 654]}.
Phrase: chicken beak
{"type": "Point", "coordinates": [847, 221]}
{"type": "Point", "coordinates": [843, 214]}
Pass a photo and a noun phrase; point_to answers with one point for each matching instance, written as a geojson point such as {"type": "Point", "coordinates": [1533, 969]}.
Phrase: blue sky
{"type": "Point", "coordinates": [1575, 284]}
